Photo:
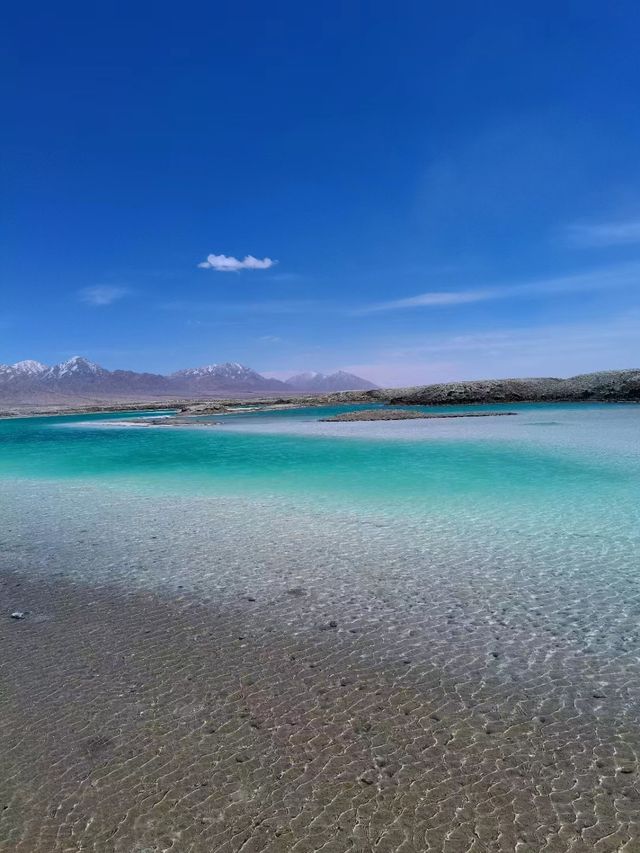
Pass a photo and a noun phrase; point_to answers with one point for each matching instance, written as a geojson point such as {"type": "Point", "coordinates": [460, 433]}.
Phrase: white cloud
{"type": "Point", "coordinates": [602, 279]}
{"type": "Point", "coordinates": [625, 233]}
{"type": "Point", "coordinates": [437, 298]}
{"type": "Point", "coordinates": [227, 263]}
{"type": "Point", "coordinates": [270, 339]}
{"type": "Point", "coordinates": [102, 294]}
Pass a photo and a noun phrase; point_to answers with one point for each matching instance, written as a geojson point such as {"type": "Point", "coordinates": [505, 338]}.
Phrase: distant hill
{"type": "Point", "coordinates": [30, 382]}
{"type": "Point", "coordinates": [607, 385]}
{"type": "Point", "coordinates": [218, 378]}
{"type": "Point", "coordinates": [321, 383]}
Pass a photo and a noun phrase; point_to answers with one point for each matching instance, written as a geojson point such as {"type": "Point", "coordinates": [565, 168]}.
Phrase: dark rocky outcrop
{"type": "Point", "coordinates": [612, 385]}
{"type": "Point", "coordinates": [406, 415]}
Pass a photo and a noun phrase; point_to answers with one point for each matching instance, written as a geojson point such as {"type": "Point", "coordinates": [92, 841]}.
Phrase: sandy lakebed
{"type": "Point", "coordinates": [435, 670]}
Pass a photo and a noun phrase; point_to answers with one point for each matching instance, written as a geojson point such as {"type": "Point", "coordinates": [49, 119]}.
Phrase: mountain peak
{"type": "Point", "coordinates": [74, 370]}
{"type": "Point", "coordinates": [321, 382]}
{"type": "Point", "coordinates": [78, 365]}
{"type": "Point", "coordinates": [226, 378]}
{"type": "Point", "coordinates": [29, 367]}
{"type": "Point", "coordinates": [77, 360]}
{"type": "Point", "coordinates": [225, 370]}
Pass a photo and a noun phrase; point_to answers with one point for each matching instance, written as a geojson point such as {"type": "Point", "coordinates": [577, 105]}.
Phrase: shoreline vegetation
{"type": "Point", "coordinates": [613, 386]}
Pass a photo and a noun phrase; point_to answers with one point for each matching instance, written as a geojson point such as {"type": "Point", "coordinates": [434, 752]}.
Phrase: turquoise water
{"type": "Point", "coordinates": [577, 462]}
{"type": "Point", "coordinates": [487, 570]}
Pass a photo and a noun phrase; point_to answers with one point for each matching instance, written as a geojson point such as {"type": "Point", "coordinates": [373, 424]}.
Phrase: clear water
{"type": "Point", "coordinates": [489, 567]}
{"type": "Point", "coordinates": [576, 466]}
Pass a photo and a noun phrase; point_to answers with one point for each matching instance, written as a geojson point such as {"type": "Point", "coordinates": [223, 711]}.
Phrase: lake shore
{"type": "Point", "coordinates": [614, 386]}
{"type": "Point", "coordinates": [353, 681]}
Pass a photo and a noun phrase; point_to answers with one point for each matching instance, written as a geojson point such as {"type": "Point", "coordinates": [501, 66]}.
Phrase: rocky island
{"type": "Point", "coordinates": [406, 415]}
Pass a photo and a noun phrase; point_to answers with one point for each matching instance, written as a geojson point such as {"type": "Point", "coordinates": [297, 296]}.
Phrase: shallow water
{"type": "Point", "coordinates": [563, 454]}
{"type": "Point", "coordinates": [479, 690]}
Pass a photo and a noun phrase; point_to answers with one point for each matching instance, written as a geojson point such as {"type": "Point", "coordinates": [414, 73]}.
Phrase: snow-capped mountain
{"type": "Point", "coordinates": [30, 381]}
{"type": "Point", "coordinates": [230, 369]}
{"type": "Point", "coordinates": [325, 383]}
{"type": "Point", "coordinates": [29, 367]}
{"type": "Point", "coordinates": [21, 370]}
{"type": "Point", "coordinates": [231, 376]}
{"type": "Point", "coordinates": [75, 368]}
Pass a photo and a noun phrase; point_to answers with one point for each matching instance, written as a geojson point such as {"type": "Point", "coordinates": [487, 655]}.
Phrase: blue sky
{"type": "Point", "coordinates": [424, 191]}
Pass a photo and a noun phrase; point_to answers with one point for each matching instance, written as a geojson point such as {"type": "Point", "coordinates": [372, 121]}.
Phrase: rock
{"type": "Point", "coordinates": [296, 591]}
{"type": "Point", "coordinates": [606, 385]}
{"type": "Point", "coordinates": [405, 415]}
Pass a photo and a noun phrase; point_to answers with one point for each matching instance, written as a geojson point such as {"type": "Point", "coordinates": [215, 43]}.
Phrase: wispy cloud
{"type": "Point", "coordinates": [435, 298]}
{"type": "Point", "coordinates": [285, 277]}
{"type": "Point", "coordinates": [270, 339]}
{"type": "Point", "coordinates": [101, 295]}
{"type": "Point", "coordinates": [597, 235]}
{"type": "Point", "coordinates": [227, 263]}
{"type": "Point", "coordinates": [602, 279]}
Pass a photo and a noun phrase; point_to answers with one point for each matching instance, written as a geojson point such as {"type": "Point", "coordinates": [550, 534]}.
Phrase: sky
{"type": "Point", "coordinates": [415, 192]}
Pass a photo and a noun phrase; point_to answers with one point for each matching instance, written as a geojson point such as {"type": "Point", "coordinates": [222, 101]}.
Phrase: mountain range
{"type": "Point", "coordinates": [321, 383]}
{"type": "Point", "coordinates": [30, 382]}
